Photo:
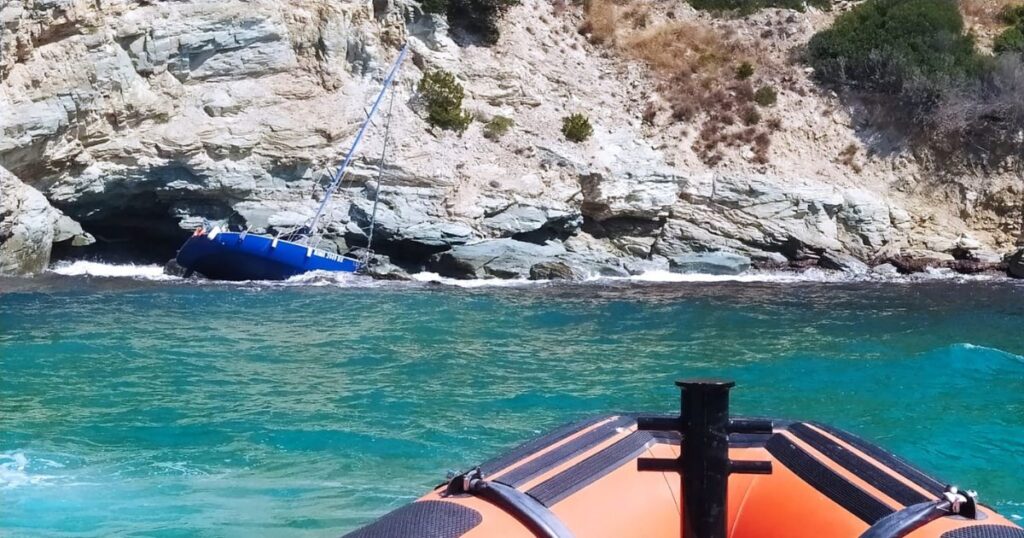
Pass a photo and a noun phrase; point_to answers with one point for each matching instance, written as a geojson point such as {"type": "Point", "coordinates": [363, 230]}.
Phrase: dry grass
{"type": "Point", "coordinates": [607, 20]}
{"type": "Point", "coordinates": [677, 47]}
{"type": "Point", "coordinates": [697, 68]}
{"type": "Point", "coordinates": [985, 12]}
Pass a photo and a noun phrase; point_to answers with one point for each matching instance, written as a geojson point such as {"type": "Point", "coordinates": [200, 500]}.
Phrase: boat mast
{"type": "Point", "coordinates": [340, 174]}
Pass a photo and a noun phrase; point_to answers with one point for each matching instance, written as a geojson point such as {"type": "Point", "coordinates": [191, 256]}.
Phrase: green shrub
{"type": "Point", "coordinates": [1011, 40]}
{"type": "Point", "coordinates": [497, 127]}
{"type": "Point", "coordinates": [576, 127]}
{"type": "Point", "coordinates": [750, 115]}
{"type": "Point", "coordinates": [765, 96]}
{"type": "Point", "coordinates": [744, 71]}
{"type": "Point", "coordinates": [443, 96]}
{"type": "Point", "coordinates": [946, 98]}
{"type": "Point", "coordinates": [887, 45]}
{"type": "Point", "coordinates": [435, 6]}
{"type": "Point", "coordinates": [1013, 15]}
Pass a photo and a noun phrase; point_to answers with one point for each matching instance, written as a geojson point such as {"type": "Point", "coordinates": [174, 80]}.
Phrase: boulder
{"type": "Point", "coordinates": [29, 226]}
{"type": "Point", "coordinates": [534, 223]}
{"type": "Point", "coordinates": [383, 269]}
{"type": "Point", "coordinates": [496, 258]}
{"type": "Point", "coordinates": [553, 271]}
{"type": "Point", "coordinates": [885, 269]}
{"type": "Point", "coordinates": [405, 221]}
{"type": "Point", "coordinates": [970, 267]}
{"type": "Point", "coordinates": [866, 218]}
{"type": "Point", "coordinates": [628, 178]}
{"type": "Point", "coordinates": [909, 264]}
{"type": "Point", "coordinates": [712, 263]}
{"type": "Point", "coordinates": [839, 261]}
{"type": "Point", "coordinates": [1015, 264]}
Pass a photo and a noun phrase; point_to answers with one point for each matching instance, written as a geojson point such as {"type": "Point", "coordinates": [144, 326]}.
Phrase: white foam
{"type": "Point", "coordinates": [968, 345]}
{"type": "Point", "coordinates": [14, 472]}
{"type": "Point", "coordinates": [810, 275]}
{"type": "Point", "coordinates": [328, 278]}
{"type": "Point", "coordinates": [109, 270]}
{"type": "Point", "coordinates": [478, 283]}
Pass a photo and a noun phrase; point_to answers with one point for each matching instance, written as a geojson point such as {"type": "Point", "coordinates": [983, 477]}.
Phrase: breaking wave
{"type": "Point", "coordinates": [15, 471]}
{"type": "Point", "coordinates": [324, 278]}
{"type": "Point", "coordinates": [109, 270]}
{"type": "Point", "coordinates": [994, 350]}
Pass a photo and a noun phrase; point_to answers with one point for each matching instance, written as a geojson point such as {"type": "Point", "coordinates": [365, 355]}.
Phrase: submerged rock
{"type": "Point", "coordinates": [713, 263]}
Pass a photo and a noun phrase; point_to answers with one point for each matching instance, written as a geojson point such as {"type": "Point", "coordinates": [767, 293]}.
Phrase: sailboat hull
{"type": "Point", "coordinates": [238, 256]}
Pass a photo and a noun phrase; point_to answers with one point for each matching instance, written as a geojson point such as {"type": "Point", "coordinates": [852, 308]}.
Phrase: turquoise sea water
{"type": "Point", "coordinates": [167, 409]}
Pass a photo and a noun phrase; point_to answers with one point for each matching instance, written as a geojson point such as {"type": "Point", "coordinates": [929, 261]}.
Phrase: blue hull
{"type": "Point", "coordinates": [236, 256]}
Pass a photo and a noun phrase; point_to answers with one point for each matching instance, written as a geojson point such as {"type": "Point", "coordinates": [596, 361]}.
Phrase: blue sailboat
{"type": "Point", "coordinates": [227, 255]}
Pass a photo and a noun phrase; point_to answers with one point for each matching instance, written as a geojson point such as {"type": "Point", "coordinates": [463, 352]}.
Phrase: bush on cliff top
{"type": "Point", "coordinates": [888, 45]}
{"type": "Point", "coordinates": [443, 95]}
{"type": "Point", "coordinates": [1012, 38]}
{"type": "Point", "coordinates": [938, 89]}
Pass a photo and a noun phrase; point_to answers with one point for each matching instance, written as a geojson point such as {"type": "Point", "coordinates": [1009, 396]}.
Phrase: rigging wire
{"type": "Point", "coordinates": [380, 176]}
{"type": "Point", "coordinates": [343, 169]}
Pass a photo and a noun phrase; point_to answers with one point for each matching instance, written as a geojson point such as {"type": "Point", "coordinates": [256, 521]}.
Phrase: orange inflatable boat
{"type": "Point", "coordinates": [699, 475]}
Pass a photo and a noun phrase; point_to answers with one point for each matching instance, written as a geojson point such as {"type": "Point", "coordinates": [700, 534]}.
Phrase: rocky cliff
{"type": "Point", "coordinates": [125, 124]}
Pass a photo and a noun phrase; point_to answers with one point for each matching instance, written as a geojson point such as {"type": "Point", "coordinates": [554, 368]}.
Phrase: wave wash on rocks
{"type": "Point", "coordinates": [136, 122]}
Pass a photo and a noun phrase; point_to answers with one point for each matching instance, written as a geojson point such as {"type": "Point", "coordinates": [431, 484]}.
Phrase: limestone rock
{"type": "Point", "coordinates": [839, 261]}
{"type": "Point", "coordinates": [1015, 264]}
{"type": "Point", "coordinates": [496, 258]}
{"type": "Point", "coordinates": [552, 271]}
{"type": "Point", "coordinates": [29, 226]}
{"type": "Point", "coordinates": [887, 269]}
{"type": "Point", "coordinates": [713, 263]}
{"type": "Point", "coordinates": [525, 220]}
{"type": "Point", "coordinates": [628, 179]}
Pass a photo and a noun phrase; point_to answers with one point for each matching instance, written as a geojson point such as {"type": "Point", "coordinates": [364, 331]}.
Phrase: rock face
{"type": "Point", "coordinates": [713, 263]}
{"type": "Point", "coordinates": [138, 121]}
{"type": "Point", "coordinates": [498, 258]}
{"type": "Point", "coordinates": [29, 227]}
{"type": "Point", "coordinates": [1015, 264]}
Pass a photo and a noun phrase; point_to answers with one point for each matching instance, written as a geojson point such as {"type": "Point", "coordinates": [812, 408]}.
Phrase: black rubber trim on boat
{"type": "Point", "coordinates": [850, 497]}
{"type": "Point", "coordinates": [748, 440]}
{"type": "Point", "coordinates": [985, 531]}
{"type": "Point", "coordinates": [588, 471]}
{"type": "Point", "coordinates": [860, 467]}
{"type": "Point", "coordinates": [549, 460]}
{"type": "Point", "coordinates": [888, 459]}
{"type": "Point", "coordinates": [537, 518]}
{"type": "Point", "coordinates": [496, 464]}
{"type": "Point", "coordinates": [592, 469]}
{"type": "Point", "coordinates": [908, 520]}
{"type": "Point", "coordinates": [434, 519]}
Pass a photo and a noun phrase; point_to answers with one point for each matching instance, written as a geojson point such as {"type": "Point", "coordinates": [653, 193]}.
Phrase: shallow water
{"type": "Point", "coordinates": [173, 409]}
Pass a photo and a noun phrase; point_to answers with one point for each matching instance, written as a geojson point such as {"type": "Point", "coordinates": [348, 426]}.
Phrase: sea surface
{"type": "Point", "coordinates": [142, 405]}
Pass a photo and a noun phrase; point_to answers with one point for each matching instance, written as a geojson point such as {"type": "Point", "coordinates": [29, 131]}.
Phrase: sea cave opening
{"type": "Point", "coordinates": [142, 230]}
